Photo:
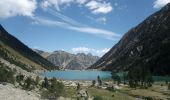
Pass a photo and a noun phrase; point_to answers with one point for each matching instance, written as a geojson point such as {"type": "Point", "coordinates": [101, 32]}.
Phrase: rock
{"type": "Point", "coordinates": [9, 92]}
{"type": "Point", "coordinates": [82, 93]}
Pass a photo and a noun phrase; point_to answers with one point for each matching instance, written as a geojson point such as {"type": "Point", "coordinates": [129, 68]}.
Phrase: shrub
{"type": "Point", "coordinates": [29, 83]}
{"type": "Point", "coordinates": [37, 80]}
{"type": "Point", "coordinates": [78, 86]}
{"type": "Point", "coordinates": [45, 83]}
{"type": "Point", "coordinates": [93, 83]}
{"type": "Point", "coordinates": [20, 78]}
{"type": "Point", "coordinates": [56, 87]}
{"type": "Point", "coordinates": [6, 74]}
{"type": "Point", "coordinates": [54, 90]}
{"type": "Point", "coordinates": [99, 80]}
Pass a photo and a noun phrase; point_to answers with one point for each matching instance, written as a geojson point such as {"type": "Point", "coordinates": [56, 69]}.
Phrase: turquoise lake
{"type": "Point", "coordinates": [78, 75]}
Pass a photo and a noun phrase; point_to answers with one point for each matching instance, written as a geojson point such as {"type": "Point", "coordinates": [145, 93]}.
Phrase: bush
{"type": "Point", "coordinates": [37, 80]}
{"type": "Point", "coordinates": [78, 86]}
{"type": "Point", "coordinates": [29, 83]}
{"type": "Point", "coordinates": [54, 90]}
{"type": "Point", "coordinates": [6, 74]}
{"type": "Point", "coordinates": [99, 80]}
{"type": "Point", "coordinates": [45, 83]}
{"type": "Point", "coordinates": [56, 87]}
{"type": "Point", "coordinates": [20, 78]}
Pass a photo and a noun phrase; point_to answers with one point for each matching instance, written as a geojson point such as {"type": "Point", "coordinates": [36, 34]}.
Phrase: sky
{"type": "Point", "coordinates": [75, 26]}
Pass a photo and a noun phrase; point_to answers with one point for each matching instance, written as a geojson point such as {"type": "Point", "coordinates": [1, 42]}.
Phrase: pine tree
{"type": "Point", "coordinates": [37, 80]}
{"type": "Point", "coordinates": [99, 80]}
{"type": "Point", "coordinates": [45, 84]}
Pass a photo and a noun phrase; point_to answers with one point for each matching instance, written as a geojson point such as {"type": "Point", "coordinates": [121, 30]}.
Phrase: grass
{"type": "Point", "coordinates": [108, 95]}
{"type": "Point", "coordinates": [153, 92]}
{"type": "Point", "coordinates": [125, 93]}
{"type": "Point", "coordinates": [70, 92]}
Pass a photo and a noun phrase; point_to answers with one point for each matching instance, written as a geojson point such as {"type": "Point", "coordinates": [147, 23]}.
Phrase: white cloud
{"type": "Point", "coordinates": [99, 7]}
{"type": "Point", "coordinates": [96, 31]}
{"type": "Point", "coordinates": [64, 18]}
{"type": "Point", "coordinates": [82, 50]}
{"type": "Point", "coordinates": [44, 21]}
{"type": "Point", "coordinates": [85, 29]}
{"type": "Point", "coordinates": [96, 6]}
{"type": "Point", "coordinates": [86, 50]}
{"type": "Point", "coordinates": [102, 51]}
{"type": "Point", "coordinates": [9, 8]}
{"type": "Point", "coordinates": [55, 3]}
{"type": "Point", "coordinates": [81, 1]}
{"type": "Point", "coordinates": [160, 3]}
{"type": "Point", "coordinates": [58, 3]}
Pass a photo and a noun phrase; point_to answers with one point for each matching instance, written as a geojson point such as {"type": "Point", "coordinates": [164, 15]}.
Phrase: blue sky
{"type": "Point", "coordinates": [89, 26]}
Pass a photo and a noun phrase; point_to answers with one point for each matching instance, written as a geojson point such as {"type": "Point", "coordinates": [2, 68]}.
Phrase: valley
{"type": "Point", "coordinates": [135, 68]}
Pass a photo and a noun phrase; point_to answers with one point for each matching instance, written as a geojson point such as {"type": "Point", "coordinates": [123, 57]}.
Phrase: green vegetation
{"type": "Point", "coordinates": [29, 83]}
{"type": "Point", "coordinates": [37, 80]}
{"type": "Point", "coordinates": [54, 89]}
{"type": "Point", "coordinates": [69, 92]}
{"type": "Point", "coordinates": [45, 83]}
{"type": "Point", "coordinates": [107, 95]}
{"type": "Point", "coordinates": [140, 76]}
{"type": "Point", "coordinates": [169, 86]}
{"type": "Point", "coordinates": [20, 78]}
{"type": "Point", "coordinates": [93, 82]}
{"type": "Point", "coordinates": [153, 92]}
{"type": "Point", "coordinates": [78, 86]}
{"type": "Point", "coordinates": [111, 89]}
{"type": "Point", "coordinates": [116, 78]}
{"type": "Point", "coordinates": [6, 74]}
{"type": "Point", "coordinates": [98, 98]}
{"type": "Point", "coordinates": [99, 80]}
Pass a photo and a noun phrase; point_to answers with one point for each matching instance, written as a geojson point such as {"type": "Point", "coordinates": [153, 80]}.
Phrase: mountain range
{"type": "Point", "coordinates": [67, 60]}
{"type": "Point", "coordinates": [147, 44]}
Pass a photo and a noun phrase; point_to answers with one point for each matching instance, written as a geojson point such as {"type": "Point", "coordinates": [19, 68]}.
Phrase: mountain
{"type": "Point", "coordinates": [66, 60]}
{"type": "Point", "coordinates": [14, 51]}
{"type": "Point", "coordinates": [148, 44]}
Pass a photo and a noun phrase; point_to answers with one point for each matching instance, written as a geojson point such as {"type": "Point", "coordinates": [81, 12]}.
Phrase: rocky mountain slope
{"type": "Point", "coordinates": [17, 53]}
{"type": "Point", "coordinates": [66, 60]}
{"type": "Point", "coordinates": [148, 44]}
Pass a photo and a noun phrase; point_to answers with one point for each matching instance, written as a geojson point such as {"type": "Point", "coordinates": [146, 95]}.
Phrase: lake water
{"type": "Point", "coordinates": [78, 75]}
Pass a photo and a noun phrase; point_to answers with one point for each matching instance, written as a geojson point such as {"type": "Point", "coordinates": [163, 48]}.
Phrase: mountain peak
{"type": "Point", "coordinates": [67, 60]}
